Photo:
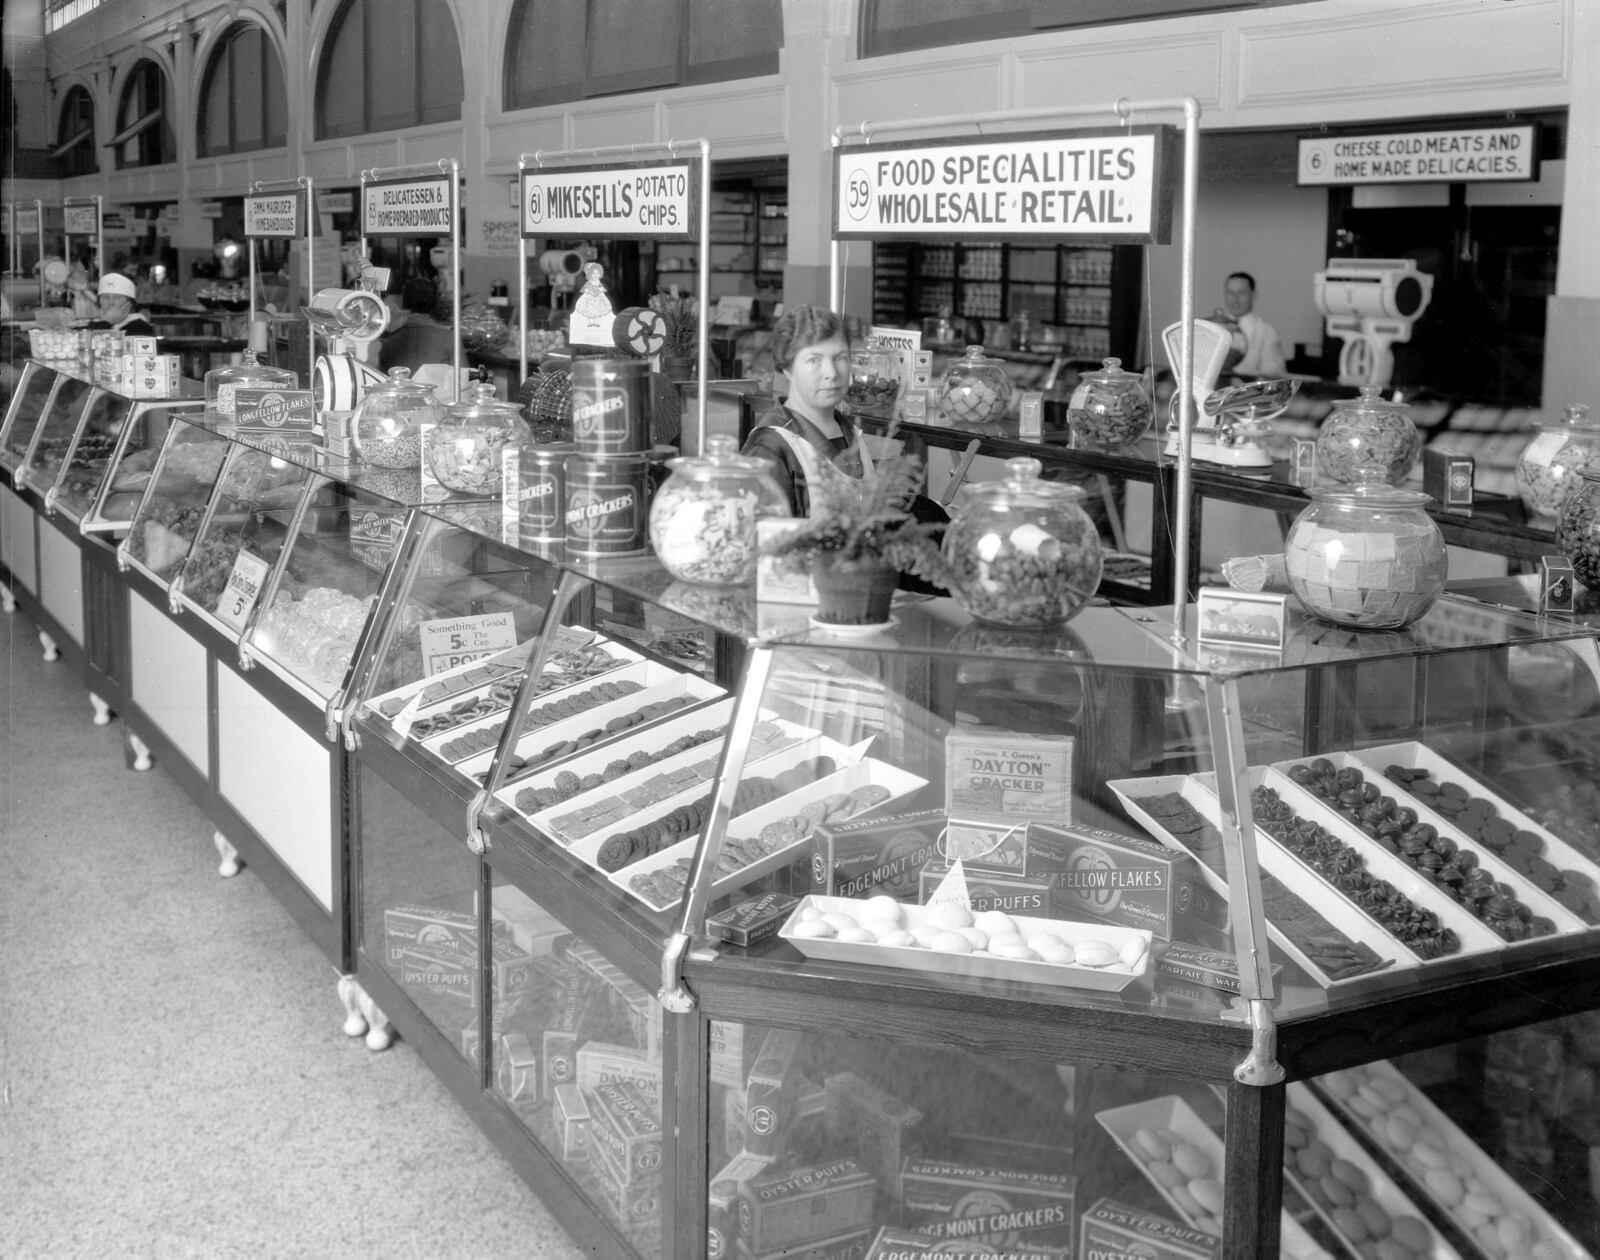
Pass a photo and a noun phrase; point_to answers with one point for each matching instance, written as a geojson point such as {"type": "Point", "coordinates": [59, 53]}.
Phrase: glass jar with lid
{"type": "Point", "coordinates": [1109, 408]}
{"type": "Point", "coordinates": [1368, 439]}
{"type": "Point", "coordinates": [1578, 528]}
{"type": "Point", "coordinates": [222, 383]}
{"type": "Point", "coordinates": [874, 378]}
{"type": "Point", "coordinates": [1021, 551]}
{"type": "Point", "coordinates": [1550, 466]}
{"type": "Point", "coordinates": [1366, 555]}
{"type": "Point", "coordinates": [386, 428]}
{"type": "Point", "coordinates": [703, 517]}
{"type": "Point", "coordinates": [974, 389]}
{"type": "Point", "coordinates": [466, 447]}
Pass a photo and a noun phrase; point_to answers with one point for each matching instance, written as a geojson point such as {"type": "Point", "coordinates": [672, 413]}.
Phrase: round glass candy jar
{"type": "Point", "coordinates": [1109, 408]}
{"type": "Point", "coordinates": [1366, 439]}
{"type": "Point", "coordinates": [386, 428]}
{"type": "Point", "coordinates": [874, 378]}
{"type": "Point", "coordinates": [1578, 528]}
{"type": "Point", "coordinates": [1549, 468]}
{"type": "Point", "coordinates": [223, 382]}
{"type": "Point", "coordinates": [703, 517]}
{"type": "Point", "coordinates": [1367, 556]}
{"type": "Point", "coordinates": [1022, 552]}
{"type": "Point", "coordinates": [465, 447]}
{"type": "Point", "coordinates": [974, 389]}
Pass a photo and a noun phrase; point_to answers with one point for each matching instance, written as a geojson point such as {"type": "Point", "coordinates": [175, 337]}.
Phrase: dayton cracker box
{"type": "Point", "coordinates": [1103, 876]}
{"type": "Point", "coordinates": [950, 1202]}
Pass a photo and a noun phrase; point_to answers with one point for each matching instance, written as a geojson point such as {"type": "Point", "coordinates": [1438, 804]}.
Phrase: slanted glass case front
{"type": "Point", "coordinates": [55, 433]}
{"type": "Point", "coordinates": [110, 506]}
{"type": "Point", "coordinates": [27, 407]}
{"type": "Point", "coordinates": [173, 503]}
{"type": "Point", "coordinates": [81, 468]}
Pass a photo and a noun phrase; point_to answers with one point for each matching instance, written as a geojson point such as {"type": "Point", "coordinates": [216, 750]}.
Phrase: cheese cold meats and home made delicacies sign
{"type": "Point", "coordinates": [1111, 186]}
{"type": "Point", "coordinates": [656, 200]}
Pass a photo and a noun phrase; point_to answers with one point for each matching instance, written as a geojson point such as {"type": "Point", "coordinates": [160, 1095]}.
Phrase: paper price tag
{"type": "Point", "coordinates": [242, 590]}
{"type": "Point", "coordinates": [454, 641]}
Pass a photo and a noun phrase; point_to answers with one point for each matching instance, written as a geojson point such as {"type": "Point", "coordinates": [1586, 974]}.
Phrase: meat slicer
{"type": "Point", "coordinates": [1232, 424]}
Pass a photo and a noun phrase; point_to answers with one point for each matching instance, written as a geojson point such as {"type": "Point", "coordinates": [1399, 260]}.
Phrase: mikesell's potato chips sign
{"type": "Point", "coordinates": [658, 200]}
{"type": "Point", "coordinates": [1101, 187]}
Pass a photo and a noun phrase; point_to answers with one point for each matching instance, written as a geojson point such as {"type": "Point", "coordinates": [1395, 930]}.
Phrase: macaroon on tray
{"type": "Point", "coordinates": [1332, 941]}
{"type": "Point", "coordinates": [1357, 1200]}
{"type": "Point", "coordinates": [1183, 1159]}
{"type": "Point", "coordinates": [948, 938]}
{"type": "Point", "coordinates": [1446, 1167]}
{"type": "Point", "coordinates": [774, 814]}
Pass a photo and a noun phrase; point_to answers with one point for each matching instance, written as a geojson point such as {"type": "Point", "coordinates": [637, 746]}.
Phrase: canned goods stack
{"type": "Point", "coordinates": [606, 504]}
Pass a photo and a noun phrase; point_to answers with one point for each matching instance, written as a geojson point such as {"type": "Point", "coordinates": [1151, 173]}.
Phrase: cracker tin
{"type": "Point", "coordinates": [607, 506]}
{"type": "Point", "coordinates": [611, 406]}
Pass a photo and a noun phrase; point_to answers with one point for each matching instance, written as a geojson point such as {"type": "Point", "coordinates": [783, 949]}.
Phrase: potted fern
{"type": "Point", "coordinates": [682, 327]}
{"type": "Point", "coordinates": [859, 538]}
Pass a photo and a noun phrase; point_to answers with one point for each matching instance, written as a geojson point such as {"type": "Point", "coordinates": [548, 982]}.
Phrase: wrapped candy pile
{"type": "Point", "coordinates": [318, 631]}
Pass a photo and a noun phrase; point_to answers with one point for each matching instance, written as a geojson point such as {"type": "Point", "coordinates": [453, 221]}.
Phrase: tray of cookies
{"type": "Point", "coordinates": [767, 836]}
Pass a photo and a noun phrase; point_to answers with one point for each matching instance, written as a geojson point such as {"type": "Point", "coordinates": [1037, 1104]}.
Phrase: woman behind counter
{"type": "Point", "coordinates": [812, 349]}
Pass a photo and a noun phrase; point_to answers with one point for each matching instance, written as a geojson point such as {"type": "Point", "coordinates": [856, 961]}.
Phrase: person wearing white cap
{"type": "Point", "coordinates": [116, 308]}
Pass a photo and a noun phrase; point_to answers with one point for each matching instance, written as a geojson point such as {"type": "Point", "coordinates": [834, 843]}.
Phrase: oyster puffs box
{"type": "Point", "coordinates": [1113, 1230]}
{"type": "Point", "coordinates": [950, 1202]}
{"type": "Point", "coordinates": [875, 855]}
{"type": "Point", "coordinates": [800, 1206]}
{"type": "Point", "coordinates": [1013, 894]}
{"type": "Point", "coordinates": [1104, 876]}
{"type": "Point", "coordinates": [890, 1243]}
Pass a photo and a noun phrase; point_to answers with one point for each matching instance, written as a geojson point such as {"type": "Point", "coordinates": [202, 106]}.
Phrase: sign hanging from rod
{"type": "Point", "coordinates": [648, 200]}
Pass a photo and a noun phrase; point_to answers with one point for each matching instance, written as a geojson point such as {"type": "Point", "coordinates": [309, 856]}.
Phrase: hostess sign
{"type": "Point", "coordinates": [274, 214]}
{"type": "Point", "coordinates": [1112, 186]}
{"type": "Point", "coordinates": [659, 200]}
{"type": "Point", "coordinates": [407, 207]}
{"type": "Point", "coordinates": [1412, 157]}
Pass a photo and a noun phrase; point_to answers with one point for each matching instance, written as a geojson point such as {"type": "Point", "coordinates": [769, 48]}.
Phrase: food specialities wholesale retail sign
{"type": "Point", "coordinates": [1103, 186]}
{"type": "Point", "coordinates": [407, 207]}
{"type": "Point", "coordinates": [1471, 155]}
{"type": "Point", "coordinates": [275, 214]}
{"type": "Point", "coordinates": [654, 200]}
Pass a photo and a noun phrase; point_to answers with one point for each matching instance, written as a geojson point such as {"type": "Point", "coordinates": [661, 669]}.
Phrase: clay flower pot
{"type": "Point", "coordinates": [853, 592]}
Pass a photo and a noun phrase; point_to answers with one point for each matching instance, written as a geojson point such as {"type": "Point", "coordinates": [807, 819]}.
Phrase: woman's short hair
{"type": "Point", "coordinates": [802, 326]}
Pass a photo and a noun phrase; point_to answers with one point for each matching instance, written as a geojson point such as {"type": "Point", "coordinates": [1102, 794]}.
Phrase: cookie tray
{"type": "Point", "coordinates": [1111, 978]}
{"type": "Point", "coordinates": [657, 682]}
{"type": "Point", "coordinates": [868, 770]}
{"type": "Point", "coordinates": [1375, 1095]}
{"type": "Point", "coordinates": [1418, 756]}
{"type": "Point", "coordinates": [1539, 901]}
{"type": "Point", "coordinates": [1477, 939]}
{"type": "Point", "coordinates": [1296, 878]}
{"type": "Point", "coordinates": [1172, 1114]}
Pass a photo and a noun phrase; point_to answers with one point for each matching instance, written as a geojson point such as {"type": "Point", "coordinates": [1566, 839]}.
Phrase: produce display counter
{"type": "Point", "coordinates": [832, 943]}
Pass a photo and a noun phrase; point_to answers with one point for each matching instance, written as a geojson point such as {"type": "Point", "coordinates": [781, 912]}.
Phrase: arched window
{"type": "Point", "coordinates": [567, 50]}
{"type": "Point", "coordinates": [144, 132]}
{"type": "Point", "coordinates": [415, 68]}
{"type": "Point", "coordinates": [243, 104]}
{"type": "Point", "coordinates": [74, 153]}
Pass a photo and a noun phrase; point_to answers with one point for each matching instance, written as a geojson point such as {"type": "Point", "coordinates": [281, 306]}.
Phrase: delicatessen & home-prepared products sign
{"type": "Point", "coordinates": [1106, 186]}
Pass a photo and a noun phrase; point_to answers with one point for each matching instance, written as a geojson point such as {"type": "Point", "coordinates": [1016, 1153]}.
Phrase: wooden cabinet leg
{"type": "Point", "coordinates": [142, 760]}
{"type": "Point", "coordinates": [362, 1015]}
{"type": "Point", "coordinates": [102, 710]}
{"type": "Point", "coordinates": [52, 653]}
{"type": "Point", "coordinates": [8, 601]}
{"type": "Point", "coordinates": [230, 864]}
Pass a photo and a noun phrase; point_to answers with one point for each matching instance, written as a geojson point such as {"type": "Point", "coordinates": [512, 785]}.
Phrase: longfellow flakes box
{"type": "Point", "coordinates": [1104, 876]}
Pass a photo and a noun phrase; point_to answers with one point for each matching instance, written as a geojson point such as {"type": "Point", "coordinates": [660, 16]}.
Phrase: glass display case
{"type": "Point", "coordinates": [55, 434]}
{"type": "Point", "coordinates": [72, 478]}
{"type": "Point", "coordinates": [29, 403]}
{"type": "Point", "coordinates": [108, 506]}
{"type": "Point", "coordinates": [183, 473]}
{"type": "Point", "coordinates": [1083, 924]}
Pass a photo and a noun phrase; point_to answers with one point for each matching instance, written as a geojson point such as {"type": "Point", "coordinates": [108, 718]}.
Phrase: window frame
{"type": "Point", "coordinates": [679, 72]}
{"type": "Point", "coordinates": [82, 139]}
{"type": "Point", "coordinates": [422, 112]}
{"type": "Point", "coordinates": [224, 56]}
{"type": "Point", "coordinates": [151, 120]}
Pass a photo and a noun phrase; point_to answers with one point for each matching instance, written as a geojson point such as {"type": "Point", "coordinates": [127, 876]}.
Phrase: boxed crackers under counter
{"type": "Point", "coordinates": [950, 1202]}
{"type": "Point", "coordinates": [1104, 876]}
{"type": "Point", "coordinates": [851, 1246]}
{"type": "Point", "coordinates": [625, 1125]}
{"type": "Point", "coordinates": [722, 1210]}
{"type": "Point", "coordinates": [1115, 1231]}
{"type": "Point", "coordinates": [874, 1124]}
{"type": "Point", "coordinates": [801, 1206]}
{"type": "Point", "coordinates": [875, 855]}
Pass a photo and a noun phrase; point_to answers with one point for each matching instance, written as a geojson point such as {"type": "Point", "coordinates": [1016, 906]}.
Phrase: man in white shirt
{"type": "Point", "coordinates": [1255, 342]}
